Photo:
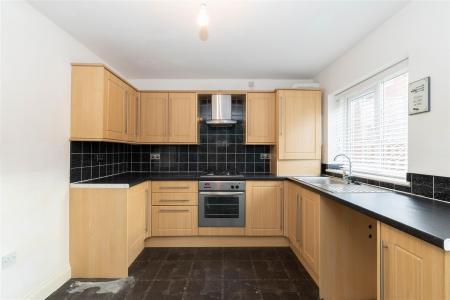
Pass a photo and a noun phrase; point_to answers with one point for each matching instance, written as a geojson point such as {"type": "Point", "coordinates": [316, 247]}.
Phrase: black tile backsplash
{"type": "Point", "coordinates": [436, 187]}
{"type": "Point", "coordinates": [220, 148]}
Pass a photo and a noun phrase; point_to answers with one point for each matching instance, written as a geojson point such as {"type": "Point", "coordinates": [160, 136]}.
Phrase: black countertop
{"type": "Point", "coordinates": [134, 178]}
{"type": "Point", "coordinates": [424, 218]}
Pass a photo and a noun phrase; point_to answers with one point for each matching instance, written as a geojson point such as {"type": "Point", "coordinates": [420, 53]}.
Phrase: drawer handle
{"type": "Point", "coordinates": [173, 200]}
{"type": "Point", "coordinates": [173, 187]}
{"type": "Point", "coordinates": [173, 210]}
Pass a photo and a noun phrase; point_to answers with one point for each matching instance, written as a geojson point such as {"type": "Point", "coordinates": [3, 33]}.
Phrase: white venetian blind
{"type": "Point", "coordinates": [372, 124]}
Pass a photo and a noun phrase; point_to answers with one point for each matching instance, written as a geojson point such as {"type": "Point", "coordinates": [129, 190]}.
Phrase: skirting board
{"type": "Point", "coordinates": [220, 241]}
{"type": "Point", "coordinates": [49, 287]}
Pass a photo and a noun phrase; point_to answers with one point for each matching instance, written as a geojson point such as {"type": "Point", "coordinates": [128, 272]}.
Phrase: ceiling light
{"type": "Point", "coordinates": [202, 19]}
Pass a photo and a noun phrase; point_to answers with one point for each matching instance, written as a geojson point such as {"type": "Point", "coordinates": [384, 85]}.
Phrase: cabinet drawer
{"type": "Point", "coordinates": [174, 220]}
{"type": "Point", "coordinates": [175, 186]}
{"type": "Point", "coordinates": [175, 199]}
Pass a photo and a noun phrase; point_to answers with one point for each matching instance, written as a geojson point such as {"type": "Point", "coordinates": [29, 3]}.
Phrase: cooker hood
{"type": "Point", "coordinates": [221, 111]}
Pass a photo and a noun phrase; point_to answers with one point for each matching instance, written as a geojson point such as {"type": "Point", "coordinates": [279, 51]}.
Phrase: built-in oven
{"type": "Point", "coordinates": [221, 204]}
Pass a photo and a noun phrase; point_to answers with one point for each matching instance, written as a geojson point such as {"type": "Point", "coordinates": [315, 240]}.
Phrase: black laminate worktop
{"type": "Point", "coordinates": [424, 218]}
{"type": "Point", "coordinates": [134, 178]}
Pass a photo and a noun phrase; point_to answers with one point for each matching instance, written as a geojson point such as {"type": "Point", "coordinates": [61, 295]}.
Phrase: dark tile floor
{"type": "Point", "coordinates": [210, 273]}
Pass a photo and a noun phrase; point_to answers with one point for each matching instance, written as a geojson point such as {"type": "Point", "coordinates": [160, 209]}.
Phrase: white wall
{"type": "Point", "coordinates": [217, 84]}
{"type": "Point", "coordinates": [421, 33]}
{"type": "Point", "coordinates": [35, 120]}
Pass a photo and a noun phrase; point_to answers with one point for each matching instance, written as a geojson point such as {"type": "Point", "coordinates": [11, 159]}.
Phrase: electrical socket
{"type": "Point", "coordinates": [155, 156]}
{"type": "Point", "coordinates": [264, 156]}
{"type": "Point", "coordinates": [8, 260]}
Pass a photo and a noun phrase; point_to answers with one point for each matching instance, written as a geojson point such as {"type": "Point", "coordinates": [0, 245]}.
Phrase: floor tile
{"type": "Point", "coordinates": [204, 289]}
{"type": "Point", "coordinates": [209, 254]}
{"type": "Point", "coordinates": [167, 289]}
{"type": "Point", "coordinates": [238, 269]}
{"type": "Point", "coordinates": [144, 270]}
{"type": "Point", "coordinates": [139, 290]}
{"type": "Point", "coordinates": [264, 254]}
{"type": "Point", "coordinates": [269, 269]}
{"type": "Point", "coordinates": [153, 254]}
{"type": "Point", "coordinates": [278, 289]}
{"type": "Point", "coordinates": [207, 269]}
{"type": "Point", "coordinates": [181, 253]}
{"type": "Point", "coordinates": [175, 270]}
{"type": "Point", "coordinates": [237, 253]}
{"type": "Point", "coordinates": [241, 290]}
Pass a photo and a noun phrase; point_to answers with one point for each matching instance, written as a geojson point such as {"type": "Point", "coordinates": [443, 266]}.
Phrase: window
{"type": "Point", "coordinates": [372, 124]}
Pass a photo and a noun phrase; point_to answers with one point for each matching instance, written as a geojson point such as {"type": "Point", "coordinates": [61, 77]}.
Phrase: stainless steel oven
{"type": "Point", "coordinates": [221, 204]}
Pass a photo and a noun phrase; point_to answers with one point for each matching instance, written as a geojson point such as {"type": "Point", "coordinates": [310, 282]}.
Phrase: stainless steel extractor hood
{"type": "Point", "coordinates": [221, 111]}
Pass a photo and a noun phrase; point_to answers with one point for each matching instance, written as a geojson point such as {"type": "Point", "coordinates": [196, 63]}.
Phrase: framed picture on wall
{"type": "Point", "coordinates": [419, 96]}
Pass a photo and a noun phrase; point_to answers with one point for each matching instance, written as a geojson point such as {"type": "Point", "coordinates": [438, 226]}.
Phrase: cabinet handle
{"type": "Point", "coordinates": [382, 247]}
{"type": "Point", "coordinates": [282, 115]}
{"type": "Point", "coordinates": [299, 233]}
{"type": "Point", "coordinates": [146, 212]}
{"type": "Point", "coordinates": [173, 187]}
{"type": "Point", "coordinates": [173, 200]}
{"type": "Point", "coordinates": [138, 115]}
{"type": "Point", "coordinates": [126, 112]}
{"type": "Point", "coordinates": [173, 210]}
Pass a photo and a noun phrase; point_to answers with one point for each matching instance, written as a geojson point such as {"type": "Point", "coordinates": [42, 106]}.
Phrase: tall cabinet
{"type": "Point", "coordinates": [299, 143]}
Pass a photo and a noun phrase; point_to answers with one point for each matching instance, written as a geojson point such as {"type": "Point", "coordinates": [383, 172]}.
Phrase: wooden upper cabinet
{"type": "Point", "coordinates": [264, 208]}
{"type": "Point", "coordinates": [153, 118]}
{"type": "Point", "coordinates": [168, 118]}
{"type": "Point", "coordinates": [260, 118]}
{"type": "Point", "coordinates": [183, 118]}
{"type": "Point", "coordinates": [411, 268]}
{"type": "Point", "coordinates": [132, 114]}
{"type": "Point", "coordinates": [299, 124]}
{"type": "Point", "coordinates": [101, 106]}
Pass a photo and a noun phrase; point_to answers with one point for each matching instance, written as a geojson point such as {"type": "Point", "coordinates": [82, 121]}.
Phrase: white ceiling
{"type": "Point", "coordinates": [247, 39]}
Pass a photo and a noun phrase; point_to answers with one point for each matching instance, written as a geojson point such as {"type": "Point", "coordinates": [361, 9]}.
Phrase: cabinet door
{"type": "Point", "coordinates": [115, 108]}
{"type": "Point", "coordinates": [153, 118]}
{"type": "Point", "coordinates": [294, 219]}
{"type": "Point", "coordinates": [310, 228]}
{"type": "Point", "coordinates": [174, 220]}
{"type": "Point", "coordinates": [132, 117]}
{"type": "Point", "coordinates": [136, 219]}
{"type": "Point", "coordinates": [299, 128]}
{"type": "Point", "coordinates": [264, 208]}
{"type": "Point", "coordinates": [411, 268]}
{"type": "Point", "coordinates": [260, 118]}
{"type": "Point", "coordinates": [183, 118]}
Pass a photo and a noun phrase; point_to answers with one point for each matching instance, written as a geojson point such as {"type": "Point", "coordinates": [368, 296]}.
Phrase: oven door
{"type": "Point", "coordinates": [221, 209]}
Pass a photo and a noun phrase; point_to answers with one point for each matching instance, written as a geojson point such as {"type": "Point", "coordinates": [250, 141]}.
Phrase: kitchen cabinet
{"type": "Point", "coordinates": [348, 253]}
{"type": "Point", "coordinates": [174, 208]}
{"type": "Point", "coordinates": [260, 118]}
{"type": "Point", "coordinates": [309, 204]}
{"type": "Point", "coordinates": [107, 229]}
{"type": "Point", "coordinates": [174, 220]}
{"type": "Point", "coordinates": [264, 208]}
{"type": "Point", "coordinates": [168, 118]}
{"type": "Point", "coordinates": [411, 268]}
{"type": "Point", "coordinates": [132, 115]}
{"type": "Point", "coordinates": [299, 124]}
{"type": "Point", "coordinates": [294, 217]}
{"type": "Point", "coordinates": [102, 105]}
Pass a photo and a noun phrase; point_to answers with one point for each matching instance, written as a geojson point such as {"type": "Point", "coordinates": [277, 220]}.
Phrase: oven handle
{"type": "Point", "coordinates": [221, 193]}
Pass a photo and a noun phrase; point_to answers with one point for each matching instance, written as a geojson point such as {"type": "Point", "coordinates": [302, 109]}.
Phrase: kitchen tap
{"type": "Point", "coordinates": [347, 177]}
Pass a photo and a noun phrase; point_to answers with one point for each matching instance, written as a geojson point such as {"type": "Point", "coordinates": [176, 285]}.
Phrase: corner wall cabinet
{"type": "Point", "coordinates": [107, 230]}
{"type": "Point", "coordinates": [103, 107]}
{"type": "Point", "coordinates": [260, 118]}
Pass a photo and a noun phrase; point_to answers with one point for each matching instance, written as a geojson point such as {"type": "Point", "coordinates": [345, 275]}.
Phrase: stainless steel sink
{"type": "Point", "coordinates": [336, 185]}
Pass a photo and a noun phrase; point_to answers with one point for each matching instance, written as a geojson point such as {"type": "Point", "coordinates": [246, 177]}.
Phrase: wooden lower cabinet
{"type": "Point", "coordinates": [348, 253]}
{"type": "Point", "coordinates": [107, 230]}
{"type": "Point", "coordinates": [174, 220]}
{"type": "Point", "coordinates": [294, 218]}
{"type": "Point", "coordinates": [411, 268]}
{"type": "Point", "coordinates": [264, 208]}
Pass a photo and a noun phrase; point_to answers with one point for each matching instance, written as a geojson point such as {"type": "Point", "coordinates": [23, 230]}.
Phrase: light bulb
{"type": "Point", "coordinates": [202, 19]}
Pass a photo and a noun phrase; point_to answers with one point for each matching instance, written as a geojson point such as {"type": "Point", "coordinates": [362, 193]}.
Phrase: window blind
{"type": "Point", "coordinates": [372, 125]}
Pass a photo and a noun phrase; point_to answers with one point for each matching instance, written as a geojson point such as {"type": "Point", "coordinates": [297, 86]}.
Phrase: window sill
{"type": "Point", "coordinates": [373, 177]}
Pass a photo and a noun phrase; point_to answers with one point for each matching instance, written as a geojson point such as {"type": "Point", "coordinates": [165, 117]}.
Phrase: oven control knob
{"type": "Point", "coordinates": [232, 186]}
